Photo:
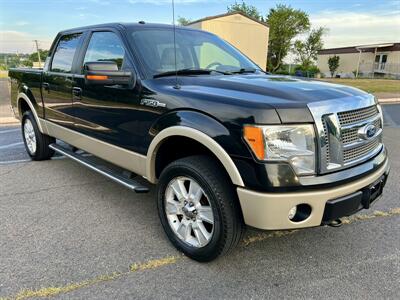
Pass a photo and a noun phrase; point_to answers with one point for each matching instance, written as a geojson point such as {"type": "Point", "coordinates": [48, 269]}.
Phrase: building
{"type": "Point", "coordinates": [248, 35]}
{"type": "Point", "coordinates": [37, 65]}
{"type": "Point", "coordinates": [377, 60]}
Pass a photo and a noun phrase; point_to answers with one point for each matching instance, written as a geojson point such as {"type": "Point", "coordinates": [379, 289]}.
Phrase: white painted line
{"type": "Point", "coordinates": [58, 157]}
{"type": "Point", "coordinates": [11, 130]}
{"type": "Point", "coordinates": [14, 161]}
{"type": "Point", "coordinates": [11, 145]}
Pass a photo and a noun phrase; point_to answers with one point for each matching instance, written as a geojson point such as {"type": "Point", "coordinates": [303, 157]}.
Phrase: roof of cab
{"type": "Point", "coordinates": [125, 26]}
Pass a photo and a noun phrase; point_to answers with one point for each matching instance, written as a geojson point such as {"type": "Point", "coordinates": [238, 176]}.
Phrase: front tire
{"type": "Point", "coordinates": [36, 143]}
{"type": "Point", "coordinates": [198, 208]}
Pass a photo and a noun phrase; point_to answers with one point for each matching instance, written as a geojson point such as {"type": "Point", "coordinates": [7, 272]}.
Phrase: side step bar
{"type": "Point", "coordinates": [129, 183]}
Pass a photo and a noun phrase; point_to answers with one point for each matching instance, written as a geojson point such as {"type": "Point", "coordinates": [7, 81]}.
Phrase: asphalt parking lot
{"type": "Point", "coordinates": [68, 232]}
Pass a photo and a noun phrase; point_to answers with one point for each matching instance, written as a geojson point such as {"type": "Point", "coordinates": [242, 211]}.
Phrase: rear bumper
{"type": "Point", "coordinates": [269, 211]}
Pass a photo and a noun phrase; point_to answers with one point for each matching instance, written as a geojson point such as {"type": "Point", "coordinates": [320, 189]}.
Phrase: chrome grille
{"type": "Point", "coordinates": [351, 135]}
{"type": "Point", "coordinates": [342, 126]}
{"type": "Point", "coordinates": [359, 151]}
{"type": "Point", "coordinates": [356, 115]}
{"type": "Point", "coordinates": [326, 140]}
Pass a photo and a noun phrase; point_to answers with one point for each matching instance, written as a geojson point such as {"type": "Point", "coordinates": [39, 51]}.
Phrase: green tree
{"type": "Point", "coordinates": [306, 51]}
{"type": "Point", "coordinates": [333, 63]}
{"type": "Point", "coordinates": [183, 21]}
{"type": "Point", "coordinates": [43, 55]}
{"type": "Point", "coordinates": [246, 9]}
{"type": "Point", "coordinates": [285, 23]}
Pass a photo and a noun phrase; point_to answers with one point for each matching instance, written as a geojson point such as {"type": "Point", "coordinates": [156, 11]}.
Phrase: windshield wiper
{"type": "Point", "coordinates": [243, 70]}
{"type": "Point", "coordinates": [189, 72]}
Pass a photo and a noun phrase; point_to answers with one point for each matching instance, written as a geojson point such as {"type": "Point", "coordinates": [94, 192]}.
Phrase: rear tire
{"type": "Point", "coordinates": [36, 143]}
{"type": "Point", "coordinates": [187, 218]}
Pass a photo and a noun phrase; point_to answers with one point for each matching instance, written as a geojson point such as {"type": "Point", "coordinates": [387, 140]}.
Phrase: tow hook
{"type": "Point", "coordinates": [336, 223]}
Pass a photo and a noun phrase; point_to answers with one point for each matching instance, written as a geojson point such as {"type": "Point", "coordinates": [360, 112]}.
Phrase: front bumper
{"type": "Point", "coordinates": [269, 211]}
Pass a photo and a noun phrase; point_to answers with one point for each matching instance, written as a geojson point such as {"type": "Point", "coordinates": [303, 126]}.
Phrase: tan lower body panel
{"type": "Point", "coordinates": [126, 159]}
{"type": "Point", "coordinates": [270, 211]}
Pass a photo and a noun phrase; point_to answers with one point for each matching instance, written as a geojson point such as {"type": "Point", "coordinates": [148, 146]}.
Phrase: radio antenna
{"type": "Point", "coordinates": [174, 28]}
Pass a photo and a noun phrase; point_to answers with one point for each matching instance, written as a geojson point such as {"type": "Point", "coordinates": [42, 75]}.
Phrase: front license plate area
{"type": "Point", "coordinates": [372, 192]}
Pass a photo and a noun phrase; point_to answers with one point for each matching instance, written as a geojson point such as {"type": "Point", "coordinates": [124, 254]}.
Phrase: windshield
{"type": "Point", "coordinates": [194, 50]}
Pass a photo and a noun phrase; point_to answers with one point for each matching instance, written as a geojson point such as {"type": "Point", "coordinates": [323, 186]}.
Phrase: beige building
{"type": "Point", "coordinates": [378, 60]}
{"type": "Point", "coordinates": [248, 35]}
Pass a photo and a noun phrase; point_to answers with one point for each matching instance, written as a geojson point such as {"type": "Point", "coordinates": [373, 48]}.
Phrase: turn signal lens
{"type": "Point", "coordinates": [96, 77]}
{"type": "Point", "coordinates": [254, 138]}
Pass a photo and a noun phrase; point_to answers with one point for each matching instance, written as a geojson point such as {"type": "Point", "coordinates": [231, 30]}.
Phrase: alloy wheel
{"type": "Point", "coordinates": [189, 211]}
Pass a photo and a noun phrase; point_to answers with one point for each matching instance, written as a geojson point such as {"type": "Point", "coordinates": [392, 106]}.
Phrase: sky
{"type": "Point", "coordinates": [349, 22]}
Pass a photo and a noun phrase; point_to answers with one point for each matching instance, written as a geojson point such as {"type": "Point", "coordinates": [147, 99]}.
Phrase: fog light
{"type": "Point", "coordinates": [292, 212]}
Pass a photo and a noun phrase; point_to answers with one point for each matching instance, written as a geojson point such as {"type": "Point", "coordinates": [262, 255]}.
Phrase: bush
{"type": "Point", "coordinates": [309, 72]}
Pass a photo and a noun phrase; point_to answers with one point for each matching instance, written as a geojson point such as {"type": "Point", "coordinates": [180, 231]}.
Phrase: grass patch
{"type": "Point", "coordinates": [46, 292]}
{"type": "Point", "coordinates": [369, 85]}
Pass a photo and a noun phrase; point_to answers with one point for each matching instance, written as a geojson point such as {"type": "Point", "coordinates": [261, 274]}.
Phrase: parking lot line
{"type": "Point", "coordinates": [9, 162]}
{"type": "Point", "coordinates": [133, 268]}
{"type": "Point", "coordinates": [10, 130]}
{"type": "Point", "coordinates": [11, 145]}
{"type": "Point", "coordinates": [345, 221]}
{"type": "Point", "coordinates": [169, 260]}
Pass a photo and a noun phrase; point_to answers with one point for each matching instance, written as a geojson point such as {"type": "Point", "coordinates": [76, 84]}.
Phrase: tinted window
{"type": "Point", "coordinates": [194, 49]}
{"type": "Point", "coordinates": [105, 46]}
{"type": "Point", "coordinates": [64, 54]}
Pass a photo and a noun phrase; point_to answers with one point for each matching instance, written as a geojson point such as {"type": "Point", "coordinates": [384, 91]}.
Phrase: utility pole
{"type": "Point", "coordinates": [38, 53]}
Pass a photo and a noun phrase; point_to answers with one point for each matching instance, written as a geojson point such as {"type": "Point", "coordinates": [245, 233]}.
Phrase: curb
{"type": "Point", "coordinates": [6, 121]}
{"type": "Point", "coordinates": [389, 100]}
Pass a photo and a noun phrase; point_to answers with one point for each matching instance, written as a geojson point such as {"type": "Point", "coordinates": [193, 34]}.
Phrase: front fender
{"type": "Point", "coordinates": [228, 137]}
{"type": "Point", "coordinates": [197, 126]}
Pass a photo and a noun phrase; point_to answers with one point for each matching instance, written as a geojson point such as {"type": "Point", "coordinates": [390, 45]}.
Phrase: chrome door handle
{"type": "Point", "coordinates": [76, 93]}
{"type": "Point", "coordinates": [46, 86]}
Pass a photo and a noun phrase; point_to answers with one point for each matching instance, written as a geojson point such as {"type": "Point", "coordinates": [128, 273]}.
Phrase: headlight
{"type": "Point", "coordinates": [291, 143]}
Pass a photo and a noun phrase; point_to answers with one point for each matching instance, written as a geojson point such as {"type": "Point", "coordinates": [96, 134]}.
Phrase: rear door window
{"type": "Point", "coordinates": [65, 52]}
{"type": "Point", "coordinates": [105, 46]}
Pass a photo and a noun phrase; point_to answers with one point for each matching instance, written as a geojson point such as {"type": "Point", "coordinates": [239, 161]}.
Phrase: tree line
{"type": "Point", "coordinates": [285, 25]}
{"type": "Point", "coordinates": [13, 60]}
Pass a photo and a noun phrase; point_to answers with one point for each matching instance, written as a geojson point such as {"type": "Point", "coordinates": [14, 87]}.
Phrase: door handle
{"type": "Point", "coordinates": [76, 93]}
{"type": "Point", "coordinates": [46, 86]}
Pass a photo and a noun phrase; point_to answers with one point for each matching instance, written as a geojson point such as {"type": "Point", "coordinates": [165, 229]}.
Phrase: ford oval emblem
{"type": "Point", "coordinates": [367, 132]}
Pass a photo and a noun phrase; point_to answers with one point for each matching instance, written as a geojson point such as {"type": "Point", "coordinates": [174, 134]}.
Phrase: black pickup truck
{"type": "Point", "coordinates": [226, 144]}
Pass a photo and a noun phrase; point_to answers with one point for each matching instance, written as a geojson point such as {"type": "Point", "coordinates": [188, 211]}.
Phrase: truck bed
{"type": "Point", "coordinates": [22, 78]}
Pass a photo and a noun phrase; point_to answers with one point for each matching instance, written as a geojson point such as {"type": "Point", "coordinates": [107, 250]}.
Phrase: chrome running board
{"type": "Point", "coordinates": [103, 170]}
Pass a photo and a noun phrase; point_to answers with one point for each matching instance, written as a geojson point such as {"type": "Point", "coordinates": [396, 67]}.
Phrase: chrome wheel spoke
{"type": "Point", "coordinates": [171, 207]}
{"type": "Point", "coordinates": [201, 233]}
{"type": "Point", "coordinates": [195, 191]}
{"type": "Point", "coordinates": [205, 214]}
{"type": "Point", "coordinates": [179, 189]}
{"type": "Point", "coordinates": [185, 229]}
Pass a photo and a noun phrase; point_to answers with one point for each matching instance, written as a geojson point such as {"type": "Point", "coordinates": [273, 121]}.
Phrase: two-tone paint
{"type": "Point", "coordinates": [131, 118]}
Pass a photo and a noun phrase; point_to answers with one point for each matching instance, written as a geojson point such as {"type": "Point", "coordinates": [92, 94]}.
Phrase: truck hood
{"type": "Point", "coordinates": [289, 96]}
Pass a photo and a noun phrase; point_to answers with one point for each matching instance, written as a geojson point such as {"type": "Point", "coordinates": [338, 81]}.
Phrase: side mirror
{"type": "Point", "coordinates": [107, 73]}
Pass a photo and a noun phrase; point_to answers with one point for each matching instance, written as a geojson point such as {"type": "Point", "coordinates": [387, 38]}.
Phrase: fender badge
{"type": "Point", "coordinates": [152, 103]}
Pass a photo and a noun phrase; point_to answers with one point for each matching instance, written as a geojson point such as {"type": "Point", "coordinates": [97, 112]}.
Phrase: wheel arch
{"type": "Point", "coordinates": [198, 137]}
{"type": "Point", "coordinates": [22, 100]}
